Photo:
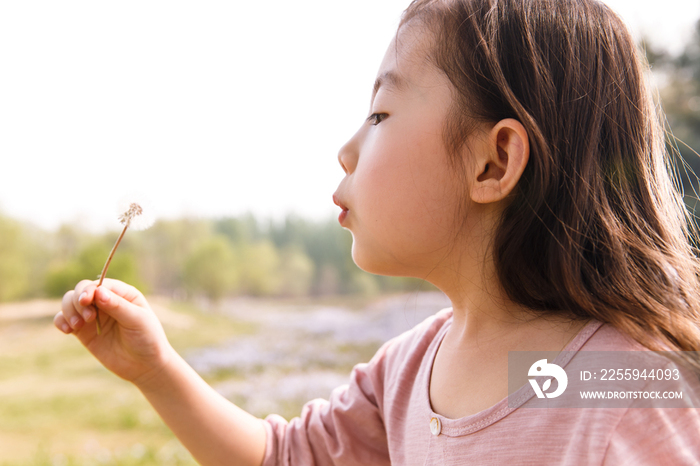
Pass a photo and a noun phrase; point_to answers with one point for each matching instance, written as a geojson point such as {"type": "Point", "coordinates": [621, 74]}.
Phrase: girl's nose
{"type": "Point", "coordinates": [348, 154]}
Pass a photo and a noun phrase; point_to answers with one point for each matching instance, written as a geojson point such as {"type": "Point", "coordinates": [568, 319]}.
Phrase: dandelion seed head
{"type": "Point", "coordinates": [134, 211]}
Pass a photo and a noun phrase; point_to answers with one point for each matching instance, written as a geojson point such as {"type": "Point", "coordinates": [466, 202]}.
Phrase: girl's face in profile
{"type": "Point", "coordinates": [399, 190]}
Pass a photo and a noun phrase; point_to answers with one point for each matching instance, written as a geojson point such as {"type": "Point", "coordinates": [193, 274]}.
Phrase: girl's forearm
{"type": "Point", "coordinates": [212, 428]}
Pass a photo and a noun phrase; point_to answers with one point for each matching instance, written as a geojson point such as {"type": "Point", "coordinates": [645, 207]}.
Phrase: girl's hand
{"type": "Point", "coordinates": [133, 344]}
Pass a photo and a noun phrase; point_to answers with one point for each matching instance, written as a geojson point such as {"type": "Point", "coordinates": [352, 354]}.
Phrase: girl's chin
{"type": "Point", "coordinates": [372, 262]}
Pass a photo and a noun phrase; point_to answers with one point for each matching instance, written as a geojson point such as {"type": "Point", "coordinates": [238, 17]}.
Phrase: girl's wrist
{"type": "Point", "coordinates": [157, 378]}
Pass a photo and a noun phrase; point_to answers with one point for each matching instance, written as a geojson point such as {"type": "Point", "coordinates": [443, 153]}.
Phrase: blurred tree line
{"type": "Point", "coordinates": [245, 256]}
{"type": "Point", "coordinates": [189, 258]}
{"type": "Point", "coordinates": [678, 80]}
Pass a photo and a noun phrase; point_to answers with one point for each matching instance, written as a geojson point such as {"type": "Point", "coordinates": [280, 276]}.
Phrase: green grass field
{"type": "Point", "coordinates": [59, 406]}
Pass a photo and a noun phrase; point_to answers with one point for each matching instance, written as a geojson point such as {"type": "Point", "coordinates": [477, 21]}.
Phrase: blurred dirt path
{"type": "Point", "coordinates": [301, 352]}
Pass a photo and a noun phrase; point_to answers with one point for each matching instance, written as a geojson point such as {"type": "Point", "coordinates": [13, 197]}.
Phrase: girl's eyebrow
{"type": "Point", "coordinates": [388, 79]}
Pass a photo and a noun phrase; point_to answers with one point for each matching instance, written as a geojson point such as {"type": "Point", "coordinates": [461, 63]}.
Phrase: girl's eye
{"type": "Point", "coordinates": [376, 118]}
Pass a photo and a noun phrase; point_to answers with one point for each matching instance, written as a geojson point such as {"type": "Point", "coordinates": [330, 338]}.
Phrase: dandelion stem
{"type": "Point", "coordinates": [104, 273]}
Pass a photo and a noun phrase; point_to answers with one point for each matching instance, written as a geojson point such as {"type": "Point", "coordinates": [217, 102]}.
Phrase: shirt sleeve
{"type": "Point", "coordinates": [346, 429]}
{"type": "Point", "coordinates": [653, 436]}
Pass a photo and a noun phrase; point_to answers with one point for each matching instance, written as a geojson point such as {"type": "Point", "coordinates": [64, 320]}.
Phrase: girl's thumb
{"type": "Point", "coordinates": [123, 311]}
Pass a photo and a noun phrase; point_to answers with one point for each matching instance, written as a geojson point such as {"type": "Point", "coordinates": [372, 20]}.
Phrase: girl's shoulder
{"type": "Point", "coordinates": [594, 336]}
{"type": "Point", "coordinates": [406, 352]}
{"type": "Point", "coordinates": [599, 336]}
{"type": "Point", "coordinates": [421, 335]}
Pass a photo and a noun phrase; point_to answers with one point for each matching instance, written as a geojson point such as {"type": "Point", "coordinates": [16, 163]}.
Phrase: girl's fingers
{"type": "Point", "coordinates": [60, 322]}
{"type": "Point", "coordinates": [83, 294]}
{"type": "Point", "coordinates": [126, 291]}
{"type": "Point", "coordinates": [82, 298]}
{"type": "Point", "coordinates": [70, 313]}
{"type": "Point", "coordinates": [121, 301]}
{"type": "Point", "coordinates": [122, 310]}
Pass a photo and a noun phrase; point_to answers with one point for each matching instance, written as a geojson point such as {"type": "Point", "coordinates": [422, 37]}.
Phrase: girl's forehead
{"type": "Point", "coordinates": [413, 43]}
{"type": "Point", "coordinates": [408, 58]}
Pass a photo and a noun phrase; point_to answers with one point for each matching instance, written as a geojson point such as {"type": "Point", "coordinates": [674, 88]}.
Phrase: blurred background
{"type": "Point", "coordinates": [228, 116]}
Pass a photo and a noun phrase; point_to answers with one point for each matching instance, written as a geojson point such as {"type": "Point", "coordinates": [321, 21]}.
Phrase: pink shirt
{"type": "Point", "coordinates": [384, 417]}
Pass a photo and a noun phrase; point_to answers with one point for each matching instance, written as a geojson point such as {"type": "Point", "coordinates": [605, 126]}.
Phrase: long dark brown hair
{"type": "Point", "coordinates": [595, 228]}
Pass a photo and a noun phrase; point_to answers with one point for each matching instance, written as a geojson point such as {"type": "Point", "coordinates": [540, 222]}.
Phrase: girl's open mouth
{"type": "Point", "coordinates": [344, 213]}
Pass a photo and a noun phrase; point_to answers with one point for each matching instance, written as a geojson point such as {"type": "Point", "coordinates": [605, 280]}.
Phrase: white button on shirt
{"type": "Point", "coordinates": [435, 426]}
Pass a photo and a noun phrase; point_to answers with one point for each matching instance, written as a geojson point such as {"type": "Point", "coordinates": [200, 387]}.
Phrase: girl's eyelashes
{"type": "Point", "coordinates": [376, 118]}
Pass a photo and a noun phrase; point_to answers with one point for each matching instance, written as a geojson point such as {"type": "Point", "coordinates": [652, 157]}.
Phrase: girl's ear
{"type": "Point", "coordinates": [499, 161]}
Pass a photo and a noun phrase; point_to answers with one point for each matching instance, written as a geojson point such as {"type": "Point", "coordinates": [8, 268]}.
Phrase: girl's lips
{"type": "Point", "coordinates": [337, 202]}
{"type": "Point", "coordinates": [344, 213]}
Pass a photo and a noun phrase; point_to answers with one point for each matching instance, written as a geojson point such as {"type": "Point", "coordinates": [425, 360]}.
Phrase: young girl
{"type": "Point", "coordinates": [513, 158]}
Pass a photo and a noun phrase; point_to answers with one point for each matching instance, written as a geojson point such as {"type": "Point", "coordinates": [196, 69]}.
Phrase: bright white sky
{"type": "Point", "coordinates": [210, 108]}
